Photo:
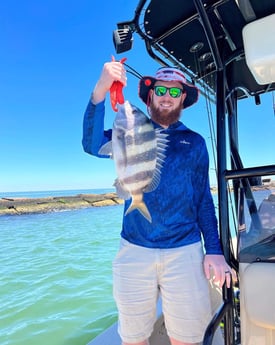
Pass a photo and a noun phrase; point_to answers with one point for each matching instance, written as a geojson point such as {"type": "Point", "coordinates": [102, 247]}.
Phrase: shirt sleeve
{"type": "Point", "coordinates": [94, 135]}
{"type": "Point", "coordinates": [207, 219]}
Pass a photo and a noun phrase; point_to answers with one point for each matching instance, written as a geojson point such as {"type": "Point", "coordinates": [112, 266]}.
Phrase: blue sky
{"type": "Point", "coordinates": [52, 53]}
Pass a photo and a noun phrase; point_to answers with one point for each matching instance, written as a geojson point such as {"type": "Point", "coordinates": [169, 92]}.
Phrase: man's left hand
{"type": "Point", "coordinates": [216, 267]}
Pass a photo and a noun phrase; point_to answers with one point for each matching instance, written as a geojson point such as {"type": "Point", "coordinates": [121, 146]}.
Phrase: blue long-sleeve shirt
{"type": "Point", "coordinates": [181, 207]}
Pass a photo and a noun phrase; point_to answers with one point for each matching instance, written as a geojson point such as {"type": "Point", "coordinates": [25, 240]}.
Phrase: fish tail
{"type": "Point", "coordinates": [142, 208]}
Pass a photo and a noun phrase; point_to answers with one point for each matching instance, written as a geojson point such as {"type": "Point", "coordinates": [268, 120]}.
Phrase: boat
{"type": "Point", "coordinates": [227, 49]}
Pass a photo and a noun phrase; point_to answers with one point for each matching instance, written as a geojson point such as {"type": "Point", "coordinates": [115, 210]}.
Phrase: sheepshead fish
{"type": "Point", "coordinates": [138, 151]}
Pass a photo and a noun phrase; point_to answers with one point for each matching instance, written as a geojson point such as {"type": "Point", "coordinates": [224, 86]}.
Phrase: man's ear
{"type": "Point", "coordinates": [149, 98]}
{"type": "Point", "coordinates": [183, 96]}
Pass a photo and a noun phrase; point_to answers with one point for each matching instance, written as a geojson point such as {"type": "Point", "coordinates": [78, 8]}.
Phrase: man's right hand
{"type": "Point", "coordinates": [112, 71]}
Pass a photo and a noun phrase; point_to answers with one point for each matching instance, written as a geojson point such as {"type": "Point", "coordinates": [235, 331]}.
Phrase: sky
{"type": "Point", "coordinates": [52, 53]}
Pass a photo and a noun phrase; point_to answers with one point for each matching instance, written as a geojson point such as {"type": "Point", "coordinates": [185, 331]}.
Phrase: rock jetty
{"type": "Point", "coordinates": [16, 206]}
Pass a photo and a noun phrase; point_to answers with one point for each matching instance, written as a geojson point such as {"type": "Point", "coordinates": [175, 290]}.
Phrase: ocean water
{"type": "Point", "coordinates": [55, 276]}
{"type": "Point", "coordinates": [55, 273]}
{"type": "Point", "coordinates": [44, 194]}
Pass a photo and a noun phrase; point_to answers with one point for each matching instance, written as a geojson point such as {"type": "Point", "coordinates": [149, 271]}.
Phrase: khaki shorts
{"type": "Point", "coordinates": [141, 274]}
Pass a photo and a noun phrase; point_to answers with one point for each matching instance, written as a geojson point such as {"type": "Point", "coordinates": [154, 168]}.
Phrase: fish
{"type": "Point", "coordinates": [138, 150]}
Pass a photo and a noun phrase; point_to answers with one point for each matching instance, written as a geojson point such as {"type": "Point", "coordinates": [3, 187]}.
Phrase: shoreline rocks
{"type": "Point", "coordinates": [18, 206]}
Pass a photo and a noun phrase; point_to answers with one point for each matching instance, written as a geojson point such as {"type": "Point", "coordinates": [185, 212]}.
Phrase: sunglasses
{"type": "Point", "coordinates": [174, 92]}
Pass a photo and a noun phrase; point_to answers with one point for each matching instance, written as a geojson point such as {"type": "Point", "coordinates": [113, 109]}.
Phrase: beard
{"type": "Point", "coordinates": [165, 117]}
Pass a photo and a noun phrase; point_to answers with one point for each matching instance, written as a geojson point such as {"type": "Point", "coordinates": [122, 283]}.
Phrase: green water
{"type": "Point", "coordinates": [55, 276]}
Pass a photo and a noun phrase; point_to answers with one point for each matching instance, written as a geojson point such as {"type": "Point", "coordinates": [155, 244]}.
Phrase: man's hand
{"type": "Point", "coordinates": [112, 71]}
{"type": "Point", "coordinates": [216, 267]}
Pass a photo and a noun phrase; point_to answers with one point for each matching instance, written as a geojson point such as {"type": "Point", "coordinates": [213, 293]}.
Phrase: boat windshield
{"type": "Point", "coordinates": [256, 223]}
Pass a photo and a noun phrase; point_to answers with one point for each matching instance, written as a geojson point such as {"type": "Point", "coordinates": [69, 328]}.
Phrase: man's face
{"type": "Point", "coordinates": [165, 109]}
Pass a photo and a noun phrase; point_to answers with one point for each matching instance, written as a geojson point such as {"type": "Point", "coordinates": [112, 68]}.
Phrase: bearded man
{"type": "Point", "coordinates": [165, 257]}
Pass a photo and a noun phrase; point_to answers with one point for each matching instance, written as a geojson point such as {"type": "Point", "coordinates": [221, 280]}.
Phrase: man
{"type": "Point", "coordinates": [164, 257]}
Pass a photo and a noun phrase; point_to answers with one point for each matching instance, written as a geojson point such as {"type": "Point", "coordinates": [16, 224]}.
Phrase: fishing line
{"type": "Point", "coordinates": [198, 62]}
{"type": "Point", "coordinates": [211, 126]}
{"type": "Point", "coordinates": [214, 150]}
{"type": "Point", "coordinates": [132, 71]}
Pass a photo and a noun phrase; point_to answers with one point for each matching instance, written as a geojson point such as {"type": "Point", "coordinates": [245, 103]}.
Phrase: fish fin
{"type": "Point", "coordinates": [162, 143]}
{"type": "Point", "coordinates": [106, 149]}
{"type": "Point", "coordinates": [121, 192]}
{"type": "Point", "coordinates": [142, 208]}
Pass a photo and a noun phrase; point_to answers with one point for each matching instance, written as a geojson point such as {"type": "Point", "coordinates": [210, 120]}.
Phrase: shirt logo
{"type": "Point", "coordinates": [184, 142]}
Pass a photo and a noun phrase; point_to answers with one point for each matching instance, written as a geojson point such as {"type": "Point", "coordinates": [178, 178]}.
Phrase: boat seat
{"type": "Point", "coordinates": [258, 291]}
{"type": "Point", "coordinates": [257, 283]}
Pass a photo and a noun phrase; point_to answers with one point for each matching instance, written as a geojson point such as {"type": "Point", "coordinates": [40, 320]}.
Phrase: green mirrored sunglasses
{"type": "Point", "coordinates": [174, 92]}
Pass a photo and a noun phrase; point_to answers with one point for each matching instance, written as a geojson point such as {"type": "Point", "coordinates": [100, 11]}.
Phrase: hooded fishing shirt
{"type": "Point", "coordinates": [181, 207]}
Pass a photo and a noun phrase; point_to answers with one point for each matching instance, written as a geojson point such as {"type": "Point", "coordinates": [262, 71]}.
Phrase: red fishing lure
{"type": "Point", "coordinates": [116, 94]}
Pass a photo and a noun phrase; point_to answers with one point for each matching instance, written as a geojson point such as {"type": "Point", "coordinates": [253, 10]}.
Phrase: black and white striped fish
{"type": "Point", "coordinates": [138, 151]}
